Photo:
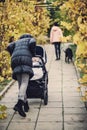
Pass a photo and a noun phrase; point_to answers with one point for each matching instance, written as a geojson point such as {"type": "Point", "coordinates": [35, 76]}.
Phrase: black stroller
{"type": "Point", "coordinates": [38, 85]}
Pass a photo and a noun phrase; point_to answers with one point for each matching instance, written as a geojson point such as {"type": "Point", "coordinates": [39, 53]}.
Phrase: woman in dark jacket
{"type": "Point", "coordinates": [21, 52]}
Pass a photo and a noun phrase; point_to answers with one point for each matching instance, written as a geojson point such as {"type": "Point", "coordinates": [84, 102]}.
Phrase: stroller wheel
{"type": "Point", "coordinates": [45, 97]}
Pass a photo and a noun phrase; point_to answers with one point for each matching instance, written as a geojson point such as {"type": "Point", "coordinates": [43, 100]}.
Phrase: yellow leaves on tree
{"type": "Point", "coordinates": [77, 39]}
{"type": "Point", "coordinates": [80, 49]}
{"type": "Point", "coordinates": [66, 39]}
{"type": "Point", "coordinates": [83, 80]}
{"type": "Point", "coordinates": [67, 25]}
{"type": "Point", "coordinates": [3, 113]}
{"type": "Point", "coordinates": [18, 18]}
{"type": "Point", "coordinates": [76, 11]}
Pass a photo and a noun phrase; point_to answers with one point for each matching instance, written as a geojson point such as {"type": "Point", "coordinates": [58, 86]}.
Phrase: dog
{"type": "Point", "coordinates": [68, 55]}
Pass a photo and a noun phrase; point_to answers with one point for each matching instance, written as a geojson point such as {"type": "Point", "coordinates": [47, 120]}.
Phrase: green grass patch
{"type": "Point", "coordinates": [4, 84]}
{"type": "Point", "coordinates": [73, 47]}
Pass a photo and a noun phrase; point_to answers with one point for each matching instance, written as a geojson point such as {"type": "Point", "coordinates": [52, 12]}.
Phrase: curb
{"type": "Point", "coordinates": [2, 93]}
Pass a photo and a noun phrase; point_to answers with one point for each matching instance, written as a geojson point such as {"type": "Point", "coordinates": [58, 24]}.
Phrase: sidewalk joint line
{"type": "Point", "coordinates": [10, 120]}
{"type": "Point", "coordinates": [37, 116]}
{"type": "Point", "coordinates": [62, 95]}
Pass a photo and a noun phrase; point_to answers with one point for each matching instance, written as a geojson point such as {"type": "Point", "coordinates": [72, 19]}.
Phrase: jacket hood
{"type": "Point", "coordinates": [25, 36]}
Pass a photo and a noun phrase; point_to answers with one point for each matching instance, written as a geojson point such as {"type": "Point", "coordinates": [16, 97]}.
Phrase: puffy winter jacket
{"type": "Point", "coordinates": [21, 52]}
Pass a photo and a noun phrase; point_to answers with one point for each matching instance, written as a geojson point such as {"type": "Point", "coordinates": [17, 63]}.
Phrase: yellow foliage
{"type": "Point", "coordinates": [79, 20]}
{"type": "Point", "coordinates": [85, 93]}
{"type": "Point", "coordinates": [83, 98]}
{"type": "Point", "coordinates": [28, 19]}
{"type": "Point", "coordinates": [67, 25]}
{"type": "Point", "coordinates": [3, 107]}
{"type": "Point", "coordinates": [79, 89]}
{"type": "Point", "coordinates": [77, 38]}
{"type": "Point", "coordinates": [3, 113]}
{"type": "Point", "coordinates": [83, 28]}
{"type": "Point", "coordinates": [80, 49]}
{"type": "Point", "coordinates": [84, 70]}
{"type": "Point", "coordinates": [42, 39]}
{"type": "Point", "coordinates": [81, 66]}
{"type": "Point", "coordinates": [84, 85]}
{"type": "Point", "coordinates": [66, 39]}
{"type": "Point", "coordinates": [0, 56]}
{"type": "Point", "coordinates": [1, 79]}
{"type": "Point", "coordinates": [83, 79]}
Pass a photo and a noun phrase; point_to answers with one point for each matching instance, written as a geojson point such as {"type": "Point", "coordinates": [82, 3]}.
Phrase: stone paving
{"type": "Point", "coordinates": [65, 110]}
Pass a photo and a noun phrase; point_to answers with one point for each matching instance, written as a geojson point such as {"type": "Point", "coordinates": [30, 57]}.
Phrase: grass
{"type": "Point", "coordinates": [73, 47]}
{"type": "Point", "coordinates": [3, 84]}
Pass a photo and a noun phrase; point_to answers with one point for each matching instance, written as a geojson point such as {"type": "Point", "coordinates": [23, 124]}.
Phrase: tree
{"type": "Point", "coordinates": [29, 18]}
{"type": "Point", "coordinates": [76, 12]}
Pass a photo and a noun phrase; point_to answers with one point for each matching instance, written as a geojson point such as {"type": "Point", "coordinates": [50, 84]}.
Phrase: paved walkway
{"type": "Point", "coordinates": [65, 110]}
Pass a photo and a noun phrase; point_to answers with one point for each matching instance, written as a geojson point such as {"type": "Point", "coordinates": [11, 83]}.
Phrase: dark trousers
{"type": "Point", "coordinates": [57, 49]}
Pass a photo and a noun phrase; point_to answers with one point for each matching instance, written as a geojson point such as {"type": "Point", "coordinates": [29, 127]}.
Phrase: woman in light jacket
{"type": "Point", "coordinates": [55, 38]}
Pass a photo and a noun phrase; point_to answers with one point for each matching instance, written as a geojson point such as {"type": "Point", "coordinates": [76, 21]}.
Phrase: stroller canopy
{"type": "Point", "coordinates": [40, 51]}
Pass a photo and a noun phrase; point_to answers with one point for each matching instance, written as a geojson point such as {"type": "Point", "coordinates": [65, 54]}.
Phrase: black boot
{"type": "Point", "coordinates": [18, 107]}
{"type": "Point", "coordinates": [26, 106]}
